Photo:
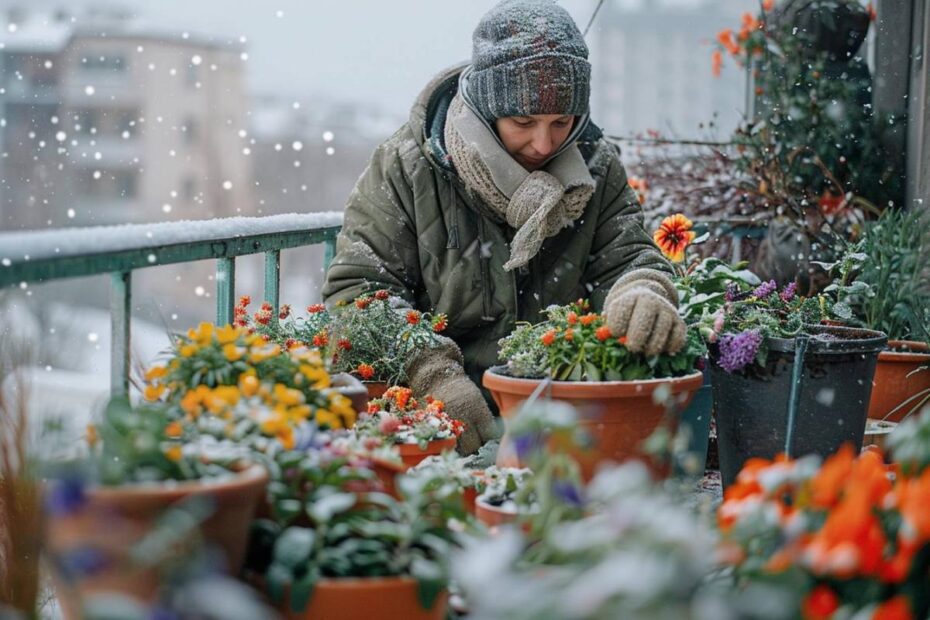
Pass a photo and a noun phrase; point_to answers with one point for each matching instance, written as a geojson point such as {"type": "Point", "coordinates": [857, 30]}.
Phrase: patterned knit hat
{"type": "Point", "coordinates": [528, 58]}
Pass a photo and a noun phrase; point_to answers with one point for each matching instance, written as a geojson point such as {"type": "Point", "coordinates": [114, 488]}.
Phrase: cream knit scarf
{"type": "Point", "coordinates": [538, 204]}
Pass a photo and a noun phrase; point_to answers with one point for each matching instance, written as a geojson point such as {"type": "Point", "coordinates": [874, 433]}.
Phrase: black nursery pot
{"type": "Point", "coordinates": [751, 406]}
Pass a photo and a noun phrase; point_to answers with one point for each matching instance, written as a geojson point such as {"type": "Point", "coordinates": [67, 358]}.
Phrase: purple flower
{"type": "Point", "coordinates": [787, 294]}
{"type": "Point", "coordinates": [64, 497]}
{"type": "Point", "coordinates": [567, 492]}
{"type": "Point", "coordinates": [82, 562]}
{"type": "Point", "coordinates": [765, 289]}
{"type": "Point", "coordinates": [527, 444]}
{"type": "Point", "coordinates": [738, 350]}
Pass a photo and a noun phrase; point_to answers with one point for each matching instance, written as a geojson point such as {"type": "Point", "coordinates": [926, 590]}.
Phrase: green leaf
{"type": "Point", "coordinates": [294, 548]}
{"type": "Point", "coordinates": [430, 581]}
{"type": "Point", "coordinates": [302, 591]}
{"type": "Point", "coordinates": [324, 508]}
{"type": "Point", "coordinates": [842, 310]}
{"type": "Point", "coordinates": [276, 579]}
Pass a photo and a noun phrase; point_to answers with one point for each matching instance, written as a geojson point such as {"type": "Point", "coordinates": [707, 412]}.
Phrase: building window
{"type": "Point", "coordinates": [115, 63]}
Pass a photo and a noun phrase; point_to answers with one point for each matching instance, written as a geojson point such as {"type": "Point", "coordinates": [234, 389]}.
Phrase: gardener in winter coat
{"type": "Point", "coordinates": [497, 199]}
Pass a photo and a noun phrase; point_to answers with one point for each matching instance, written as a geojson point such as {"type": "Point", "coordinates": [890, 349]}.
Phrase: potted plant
{"type": "Point", "coordinates": [583, 363]}
{"type": "Point", "coordinates": [894, 297]}
{"type": "Point", "coordinates": [460, 469]}
{"type": "Point", "coordinates": [370, 338]}
{"type": "Point", "coordinates": [142, 464]}
{"type": "Point", "coordinates": [499, 500]}
{"type": "Point", "coordinates": [849, 539]}
{"type": "Point", "coordinates": [338, 553]}
{"type": "Point", "coordinates": [418, 430]}
{"type": "Point", "coordinates": [781, 381]}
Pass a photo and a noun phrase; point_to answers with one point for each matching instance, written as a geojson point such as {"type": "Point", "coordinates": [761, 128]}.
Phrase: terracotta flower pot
{"type": "Point", "coordinates": [618, 415]}
{"type": "Point", "coordinates": [364, 599]}
{"type": "Point", "coordinates": [99, 534]}
{"type": "Point", "coordinates": [494, 516]}
{"type": "Point", "coordinates": [376, 389]}
{"type": "Point", "coordinates": [353, 389]}
{"type": "Point", "coordinates": [876, 434]}
{"type": "Point", "coordinates": [412, 454]}
{"type": "Point", "coordinates": [899, 376]}
{"type": "Point", "coordinates": [387, 471]}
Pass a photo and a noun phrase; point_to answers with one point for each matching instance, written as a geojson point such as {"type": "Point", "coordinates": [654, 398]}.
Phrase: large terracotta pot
{"type": "Point", "coordinates": [899, 376]}
{"type": "Point", "coordinates": [618, 415]}
{"type": "Point", "coordinates": [494, 516]}
{"type": "Point", "coordinates": [412, 454]}
{"type": "Point", "coordinates": [376, 389]}
{"type": "Point", "coordinates": [390, 598]}
{"type": "Point", "coordinates": [104, 529]}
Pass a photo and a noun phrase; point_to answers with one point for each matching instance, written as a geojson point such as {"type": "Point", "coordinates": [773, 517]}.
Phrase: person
{"type": "Point", "coordinates": [498, 198]}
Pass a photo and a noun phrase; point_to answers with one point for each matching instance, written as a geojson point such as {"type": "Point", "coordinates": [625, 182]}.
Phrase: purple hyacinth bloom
{"type": "Point", "coordinates": [738, 350]}
{"type": "Point", "coordinates": [765, 289]}
{"type": "Point", "coordinates": [787, 293]}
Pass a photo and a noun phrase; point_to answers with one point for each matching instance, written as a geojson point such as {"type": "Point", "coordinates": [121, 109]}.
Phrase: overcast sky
{"type": "Point", "coordinates": [385, 50]}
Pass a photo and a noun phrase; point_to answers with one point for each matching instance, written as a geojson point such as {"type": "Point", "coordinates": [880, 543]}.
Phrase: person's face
{"type": "Point", "coordinates": [532, 139]}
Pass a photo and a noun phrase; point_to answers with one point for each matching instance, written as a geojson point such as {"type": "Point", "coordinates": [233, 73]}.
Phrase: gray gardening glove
{"type": "Point", "coordinates": [439, 372]}
{"type": "Point", "coordinates": [643, 306]}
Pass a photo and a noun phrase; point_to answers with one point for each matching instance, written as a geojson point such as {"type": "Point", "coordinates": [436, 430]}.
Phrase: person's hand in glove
{"type": "Point", "coordinates": [643, 306]}
{"type": "Point", "coordinates": [439, 372]}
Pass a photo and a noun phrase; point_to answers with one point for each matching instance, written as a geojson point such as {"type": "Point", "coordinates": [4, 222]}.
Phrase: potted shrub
{"type": "Point", "coordinates": [142, 466]}
{"type": "Point", "coordinates": [781, 381]}
{"type": "Point", "coordinates": [460, 469]}
{"type": "Point", "coordinates": [499, 500]}
{"type": "Point", "coordinates": [584, 364]}
{"type": "Point", "coordinates": [416, 429]}
{"type": "Point", "coordinates": [893, 296]}
{"type": "Point", "coordinates": [850, 540]}
{"type": "Point", "coordinates": [357, 555]}
{"type": "Point", "coordinates": [369, 338]}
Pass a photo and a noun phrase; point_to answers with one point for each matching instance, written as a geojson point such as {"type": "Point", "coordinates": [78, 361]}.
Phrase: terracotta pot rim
{"type": "Point", "coordinates": [920, 352]}
{"type": "Point", "coordinates": [353, 583]}
{"type": "Point", "coordinates": [245, 477]}
{"type": "Point", "coordinates": [415, 448]}
{"type": "Point", "coordinates": [494, 381]}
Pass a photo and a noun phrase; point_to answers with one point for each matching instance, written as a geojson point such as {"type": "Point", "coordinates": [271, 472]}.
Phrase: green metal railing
{"type": "Point", "coordinates": [37, 257]}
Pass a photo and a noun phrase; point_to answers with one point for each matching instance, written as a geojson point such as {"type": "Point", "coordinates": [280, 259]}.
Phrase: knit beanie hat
{"type": "Point", "coordinates": [528, 58]}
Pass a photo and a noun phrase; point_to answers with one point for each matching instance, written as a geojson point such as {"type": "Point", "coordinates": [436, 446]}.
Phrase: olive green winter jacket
{"type": "Point", "coordinates": [413, 228]}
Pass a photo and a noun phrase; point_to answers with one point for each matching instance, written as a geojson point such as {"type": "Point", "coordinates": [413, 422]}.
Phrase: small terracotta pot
{"type": "Point", "coordinates": [876, 434]}
{"type": "Point", "coordinates": [376, 389]}
{"type": "Point", "coordinates": [618, 415]}
{"type": "Point", "coordinates": [114, 519]}
{"type": "Point", "coordinates": [387, 471]}
{"type": "Point", "coordinates": [494, 516]}
{"type": "Point", "coordinates": [364, 599]}
{"type": "Point", "coordinates": [412, 454]}
{"type": "Point", "coordinates": [899, 376]}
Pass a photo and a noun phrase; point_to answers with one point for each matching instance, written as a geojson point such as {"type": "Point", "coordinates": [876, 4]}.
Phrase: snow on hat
{"type": "Point", "coordinates": [528, 58]}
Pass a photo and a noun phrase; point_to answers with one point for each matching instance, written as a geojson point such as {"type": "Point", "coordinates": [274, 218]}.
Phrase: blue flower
{"type": "Point", "coordinates": [526, 445]}
{"type": "Point", "coordinates": [64, 497]}
{"type": "Point", "coordinates": [568, 493]}
{"type": "Point", "coordinates": [82, 562]}
{"type": "Point", "coordinates": [738, 350]}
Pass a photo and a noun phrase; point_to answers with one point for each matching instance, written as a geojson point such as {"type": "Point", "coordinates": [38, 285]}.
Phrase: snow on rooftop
{"type": "Point", "coordinates": [37, 33]}
{"type": "Point", "coordinates": [22, 246]}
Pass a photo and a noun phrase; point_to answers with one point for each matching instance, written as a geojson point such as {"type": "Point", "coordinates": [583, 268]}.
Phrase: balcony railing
{"type": "Point", "coordinates": [36, 257]}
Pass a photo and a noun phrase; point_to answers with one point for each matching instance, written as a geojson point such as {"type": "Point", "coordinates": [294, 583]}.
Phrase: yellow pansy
{"type": "Point", "coordinates": [260, 354]}
{"type": "Point", "coordinates": [327, 418]}
{"type": "Point", "coordinates": [288, 396]}
{"type": "Point", "coordinates": [248, 385]}
{"type": "Point", "coordinates": [227, 334]}
{"type": "Point", "coordinates": [188, 350]}
{"type": "Point", "coordinates": [229, 393]}
{"type": "Point", "coordinates": [174, 430]}
{"type": "Point", "coordinates": [204, 333]}
{"type": "Point", "coordinates": [155, 372]}
{"type": "Point", "coordinates": [286, 437]}
{"type": "Point", "coordinates": [153, 391]}
{"type": "Point", "coordinates": [232, 352]}
{"type": "Point", "coordinates": [299, 413]}
{"type": "Point", "coordinates": [317, 375]}
{"type": "Point", "coordinates": [190, 403]}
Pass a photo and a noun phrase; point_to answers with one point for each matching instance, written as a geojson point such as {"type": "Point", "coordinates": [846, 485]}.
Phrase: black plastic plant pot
{"type": "Point", "coordinates": [753, 406]}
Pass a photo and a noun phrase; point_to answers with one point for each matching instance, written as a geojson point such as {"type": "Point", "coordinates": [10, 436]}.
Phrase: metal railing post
{"type": "Point", "coordinates": [120, 318]}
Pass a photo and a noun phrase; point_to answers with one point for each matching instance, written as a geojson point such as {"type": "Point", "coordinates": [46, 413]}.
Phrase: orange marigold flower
{"type": "Point", "coordinates": [440, 323]}
{"type": "Point", "coordinates": [284, 312]}
{"type": "Point", "coordinates": [413, 317]}
{"type": "Point", "coordinates": [548, 338]}
{"type": "Point", "coordinates": [365, 371]}
{"type": "Point", "coordinates": [244, 301]}
{"type": "Point", "coordinates": [344, 344]}
{"type": "Point", "coordinates": [622, 340]}
{"type": "Point", "coordinates": [674, 236]}
{"type": "Point", "coordinates": [725, 37]}
{"type": "Point", "coordinates": [262, 317]}
{"type": "Point", "coordinates": [820, 604]}
{"type": "Point", "coordinates": [174, 453]}
{"type": "Point", "coordinates": [266, 305]}
{"type": "Point", "coordinates": [321, 339]}
{"type": "Point", "coordinates": [174, 430]}
{"type": "Point", "coordinates": [362, 302]}
{"type": "Point", "coordinates": [897, 608]}
{"type": "Point", "coordinates": [569, 335]}
{"type": "Point", "coordinates": [382, 295]}
{"type": "Point", "coordinates": [588, 319]}
{"type": "Point", "coordinates": [316, 308]}
{"type": "Point", "coordinates": [603, 333]}
{"type": "Point", "coordinates": [716, 63]}
{"type": "Point", "coordinates": [572, 318]}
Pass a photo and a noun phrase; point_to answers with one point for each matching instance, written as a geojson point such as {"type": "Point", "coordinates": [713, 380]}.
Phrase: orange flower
{"type": "Point", "coordinates": [716, 63]}
{"type": "Point", "coordinates": [768, 5]}
{"type": "Point", "coordinates": [569, 335]}
{"type": "Point", "coordinates": [622, 340]}
{"type": "Point", "coordinates": [674, 236]}
{"type": "Point", "coordinates": [548, 338]}
{"type": "Point", "coordinates": [602, 333]}
{"type": "Point", "coordinates": [174, 430]}
{"type": "Point", "coordinates": [913, 499]}
{"type": "Point", "coordinates": [749, 24]}
{"type": "Point", "coordinates": [725, 37]}
{"type": "Point", "coordinates": [174, 453]}
{"type": "Point", "coordinates": [572, 318]}
{"type": "Point", "coordinates": [316, 308]}
{"type": "Point", "coordinates": [589, 318]}
{"type": "Point", "coordinates": [91, 437]}
{"type": "Point", "coordinates": [344, 344]}
{"type": "Point", "coordinates": [440, 323]}
{"type": "Point", "coordinates": [365, 371]}
{"type": "Point", "coordinates": [820, 604]}
{"type": "Point", "coordinates": [831, 478]}
{"type": "Point", "coordinates": [896, 608]}
{"type": "Point", "coordinates": [321, 339]}
{"type": "Point", "coordinates": [382, 295]}
{"type": "Point", "coordinates": [413, 317]}
{"type": "Point", "coordinates": [244, 301]}
{"type": "Point", "coordinates": [362, 302]}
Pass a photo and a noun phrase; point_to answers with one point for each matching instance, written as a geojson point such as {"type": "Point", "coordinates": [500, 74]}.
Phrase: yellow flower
{"type": "Point", "coordinates": [326, 418]}
{"type": "Point", "coordinates": [227, 334]}
{"type": "Point", "coordinates": [155, 372]}
{"type": "Point", "coordinates": [91, 435]}
{"type": "Point", "coordinates": [317, 375]}
{"type": "Point", "coordinates": [153, 391]}
{"type": "Point", "coordinates": [174, 453]}
{"type": "Point", "coordinates": [299, 413]}
{"type": "Point", "coordinates": [174, 430]}
{"type": "Point", "coordinates": [273, 423]}
{"type": "Point", "coordinates": [232, 352]}
{"type": "Point", "coordinates": [248, 385]}
{"type": "Point", "coordinates": [229, 393]}
{"type": "Point", "coordinates": [673, 236]}
{"type": "Point", "coordinates": [190, 403]}
{"type": "Point", "coordinates": [262, 353]}
{"type": "Point", "coordinates": [188, 350]}
{"type": "Point", "coordinates": [214, 403]}
{"type": "Point", "coordinates": [204, 333]}
{"type": "Point", "coordinates": [286, 437]}
{"type": "Point", "coordinates": [288, 396]}
{"type": "Point", "coordinates": [343, 406]}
